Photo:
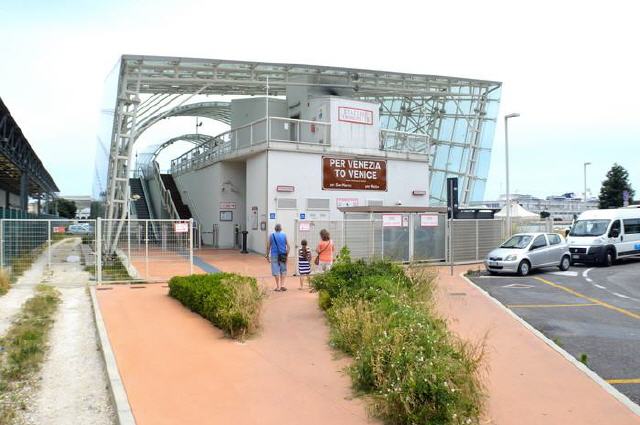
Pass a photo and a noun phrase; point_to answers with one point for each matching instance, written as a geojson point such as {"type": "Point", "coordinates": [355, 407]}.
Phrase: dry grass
{"type": "Point", "coordinates": [5, 282]}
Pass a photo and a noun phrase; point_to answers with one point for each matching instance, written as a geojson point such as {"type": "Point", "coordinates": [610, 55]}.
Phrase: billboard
{"type": "Point", "coordinates": [353, 174]}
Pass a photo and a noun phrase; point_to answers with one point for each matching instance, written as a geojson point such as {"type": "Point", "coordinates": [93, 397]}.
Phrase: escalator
{"type": "Point", "coordinates": [140, 204]}
{"type": "Point", "coordinates": [183, 210]}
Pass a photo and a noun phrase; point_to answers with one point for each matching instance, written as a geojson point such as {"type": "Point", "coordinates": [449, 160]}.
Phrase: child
{"type": "Point", "coordinates": [304, 263]}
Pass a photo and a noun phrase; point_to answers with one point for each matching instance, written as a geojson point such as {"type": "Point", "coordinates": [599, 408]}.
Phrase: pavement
{"type": "Point", "coordinates": [591, 312]}
{"type": "Point", "coordinates": [178, 369]}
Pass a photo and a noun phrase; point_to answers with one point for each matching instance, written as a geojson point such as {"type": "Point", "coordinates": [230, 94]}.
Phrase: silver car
{"type": "Point", "coordinates": [526, 251]}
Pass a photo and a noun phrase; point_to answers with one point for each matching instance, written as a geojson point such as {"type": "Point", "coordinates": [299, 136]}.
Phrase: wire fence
{"type": "Point", "coordinates": [106, 250]}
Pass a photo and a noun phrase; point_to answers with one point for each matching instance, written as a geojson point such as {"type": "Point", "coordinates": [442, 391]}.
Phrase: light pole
{"type": "Point", "coordinates": [585, 182]}
{"type": "Point", "coordinates": [506, 153]}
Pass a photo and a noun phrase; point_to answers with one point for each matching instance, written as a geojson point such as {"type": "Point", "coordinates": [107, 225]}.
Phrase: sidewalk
{"type": "Point", "coordinates": [528, 382]}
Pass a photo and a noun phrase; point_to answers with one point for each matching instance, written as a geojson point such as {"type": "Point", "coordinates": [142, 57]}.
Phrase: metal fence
{"type": "Point", "coordinates": [145, 250]}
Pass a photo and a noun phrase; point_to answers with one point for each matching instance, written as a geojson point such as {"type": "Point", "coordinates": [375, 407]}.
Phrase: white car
{"type": "Point", "coordinates": [526, 251]}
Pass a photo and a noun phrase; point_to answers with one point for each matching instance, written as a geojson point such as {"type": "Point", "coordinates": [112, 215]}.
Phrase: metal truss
{"type": "Point", "coordinates": [21, 171]}
{"type": "Point", "coordinates": [152, 88]}
{"type": "Point", "coordinates": [151, 152]}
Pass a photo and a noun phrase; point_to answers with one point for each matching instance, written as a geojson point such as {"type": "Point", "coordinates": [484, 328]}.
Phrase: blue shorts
{"type": "Point", "coordinates": [277, 268]}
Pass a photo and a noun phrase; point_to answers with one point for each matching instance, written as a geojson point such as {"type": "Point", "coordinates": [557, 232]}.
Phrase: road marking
{"type": "Point", "coordinates": [549, 305]}
{"type": "Point", "coordinates": [599, 286]}
{"type": "Point", "coordinates": [624, 381]}
{"type": "Point", "coordinates": [586, 272]}
{"type": "Point", "coordinates": [567, 273]}
{"type": "Point", "coordinates": [517, 286]}
{"type": "Point", "coordinates": [589, 279]}
{"type": "Point", "coordinates": [593, 300]}
{"type": "Point", "coordinates": [620, 295]}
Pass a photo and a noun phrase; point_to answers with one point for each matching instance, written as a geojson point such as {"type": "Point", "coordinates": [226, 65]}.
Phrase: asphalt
{"type": "Point", "coordinates": [591, 312]}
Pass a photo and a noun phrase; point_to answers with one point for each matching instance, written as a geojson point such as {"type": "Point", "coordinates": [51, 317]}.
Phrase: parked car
{"type": "Point", "coordinates": [80, 229]}
{"type": "Point", "coordinates": [605, 236]}
{"type": "Point", "coordinates": [526, 251]}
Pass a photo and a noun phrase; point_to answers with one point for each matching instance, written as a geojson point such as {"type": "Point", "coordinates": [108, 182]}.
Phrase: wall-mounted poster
{"type": "Point", "coordinates": [353, 174]}
{"type": "Point", "coordinates": [226, 215]}
{"type": "Point", "coordinates": [391, 220]}
{"type": "Point", "coordinates": [428, 220]}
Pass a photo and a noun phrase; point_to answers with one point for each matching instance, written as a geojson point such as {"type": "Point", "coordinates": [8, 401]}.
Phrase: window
{"type": "Point", "coordinates": [539, 242]}
{"type": "Point", "coordinates": [287, 203]}
{"type": "Point", "coordinates": [318, 204]}
{"type": "Point", "coordinates": [554, 239]}
{"type": "Point", "coordinates": [615, 229]}
{"type": "Point", "coordinates": [632, 225]}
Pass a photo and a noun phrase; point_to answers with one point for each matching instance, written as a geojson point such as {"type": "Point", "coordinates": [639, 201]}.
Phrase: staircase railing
{"type": "Point", "coordinates": [167, 200]}
{"type": "Point", "coordinates": [196, 219]}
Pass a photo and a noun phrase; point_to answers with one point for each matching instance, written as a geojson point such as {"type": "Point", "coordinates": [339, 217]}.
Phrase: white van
{"type": "Point", "coordinates": [604, 236]}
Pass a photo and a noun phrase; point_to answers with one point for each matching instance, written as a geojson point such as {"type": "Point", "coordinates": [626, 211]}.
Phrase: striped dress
{"type": "Point", "coordinates": [304, 267]}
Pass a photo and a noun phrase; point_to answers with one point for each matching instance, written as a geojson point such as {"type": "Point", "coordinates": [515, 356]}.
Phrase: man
{"type": "Point", "coordinates": [277, 253]}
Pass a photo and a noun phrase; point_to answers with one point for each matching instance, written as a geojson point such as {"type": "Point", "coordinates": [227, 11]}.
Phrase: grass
{"type": "Point", "coordinates": [24, 261]}
{"type": "Point", "coordinates": [406, 363]}
{"type": "Point", "coordinates": [5, 282]}
{"type": "Point", "coordinates": [584, 359]}
{"type": "Point", "coordinates": [229, 301]}
{"type": "Point", "coordinates": [112, 269]}
{"type": "Point", "coordinates": [24, 348]}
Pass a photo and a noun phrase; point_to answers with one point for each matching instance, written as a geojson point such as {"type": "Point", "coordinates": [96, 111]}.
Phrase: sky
{"type": "Point", "coordinates": [569, 68]}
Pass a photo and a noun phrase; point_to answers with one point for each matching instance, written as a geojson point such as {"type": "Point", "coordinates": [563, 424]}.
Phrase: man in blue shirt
{"type": "Point", "coordinates": [277, 253]}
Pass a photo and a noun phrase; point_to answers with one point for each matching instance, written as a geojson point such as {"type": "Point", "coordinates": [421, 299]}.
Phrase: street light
{"type": "Point", "coordinates": [585, 182]}
{"type": "Point", "coordinates": [506, 153]}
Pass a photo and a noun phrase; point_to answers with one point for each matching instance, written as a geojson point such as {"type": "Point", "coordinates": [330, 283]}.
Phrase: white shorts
{"type": "Point", "coordinates": [325, 265]}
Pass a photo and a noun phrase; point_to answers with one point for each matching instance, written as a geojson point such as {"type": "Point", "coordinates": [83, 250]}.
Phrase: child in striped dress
{"type": "Point", "coordinates": [304, 263]}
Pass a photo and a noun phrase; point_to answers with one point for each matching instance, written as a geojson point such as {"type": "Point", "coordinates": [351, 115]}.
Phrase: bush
{"type": "Point", "coordinates": [405, 361]}
{"type": "Point", "coordinates": [229, 301]}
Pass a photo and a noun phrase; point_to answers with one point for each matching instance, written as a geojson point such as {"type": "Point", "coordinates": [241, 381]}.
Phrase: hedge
{"type": "Point", "coordinates": [229, 301]}
{"type": "Point", "coordinates": [406, 362]}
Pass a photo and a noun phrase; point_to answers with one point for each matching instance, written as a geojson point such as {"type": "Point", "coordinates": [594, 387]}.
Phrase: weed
{"type": "Point", "coordinates": [25, 345]}
{"type": "Point", "coordinates": [584, 359]}
{"type": "Point", "coordinates": [557, 342]}
{"type": "Point", "coordinates": [405, 361]}
{"type": "Point", "coordinates": [5, 282]}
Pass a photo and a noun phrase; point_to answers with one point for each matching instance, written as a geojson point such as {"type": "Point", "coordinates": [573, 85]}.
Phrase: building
{"type": "Point", "coordinates": [560, 208]}
{"type": "Point", "coordinates": [302, 142]}
{"type": "Point", "coordinates": [22, 174]}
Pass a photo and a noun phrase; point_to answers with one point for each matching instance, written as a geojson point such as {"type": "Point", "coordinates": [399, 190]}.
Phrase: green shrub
{"type": "Point", "coordinates": [229, 301]}
{"type": "Point", "coordinates": [405, 361]}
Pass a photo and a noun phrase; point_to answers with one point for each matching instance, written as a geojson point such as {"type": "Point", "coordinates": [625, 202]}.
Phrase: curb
{"type": "Point", "coordinates": [580, 366]}
{"type": "Point", "coordinates": [124, 414]}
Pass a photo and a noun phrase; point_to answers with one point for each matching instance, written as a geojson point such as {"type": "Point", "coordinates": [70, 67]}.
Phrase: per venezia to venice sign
{"type": "Point", "coordinates": [353, 174]}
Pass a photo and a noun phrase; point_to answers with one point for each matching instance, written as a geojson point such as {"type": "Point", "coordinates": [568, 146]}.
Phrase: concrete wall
{"type": "Point", "coordinates": [206, 189]}
{"type": "Point", "coordinates": [256, 178]}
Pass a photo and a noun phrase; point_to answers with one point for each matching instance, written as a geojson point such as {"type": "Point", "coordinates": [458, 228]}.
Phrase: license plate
{"type": "Point", "coordinates": [575, 256]}
{"type": "Point", "coordinates": [493, 263]}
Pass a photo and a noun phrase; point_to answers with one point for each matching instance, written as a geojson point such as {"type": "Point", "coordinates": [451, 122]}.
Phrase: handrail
{"type": "Point", "coordinates": [167, 200]}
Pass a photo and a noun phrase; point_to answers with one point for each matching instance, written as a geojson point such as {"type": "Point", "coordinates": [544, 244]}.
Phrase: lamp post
{"type": "Point", "coordinates": [585, 182]}
{"type": "Point", "coordinates": [506, 153]}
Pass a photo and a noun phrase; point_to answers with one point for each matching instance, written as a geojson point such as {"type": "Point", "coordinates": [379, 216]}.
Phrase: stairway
{"type": "Point", "coordinates": [183, 210]}
{"type": "Point", "coordinates": [142, 210]}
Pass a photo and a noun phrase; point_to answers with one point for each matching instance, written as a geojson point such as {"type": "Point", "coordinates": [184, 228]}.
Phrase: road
{"type": "Point", "coordinates": [592, 313]}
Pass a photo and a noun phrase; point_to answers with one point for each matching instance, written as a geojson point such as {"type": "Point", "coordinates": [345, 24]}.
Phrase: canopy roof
{"type": "Point", "coordinates": [517, 211]}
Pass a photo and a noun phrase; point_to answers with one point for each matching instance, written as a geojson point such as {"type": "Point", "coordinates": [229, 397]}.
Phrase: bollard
{"type": "Point", "coordinates": [244, 242]}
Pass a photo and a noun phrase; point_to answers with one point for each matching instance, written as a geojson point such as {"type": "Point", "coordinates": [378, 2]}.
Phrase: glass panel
{"type": "Point", "coordinates": [428, 240]}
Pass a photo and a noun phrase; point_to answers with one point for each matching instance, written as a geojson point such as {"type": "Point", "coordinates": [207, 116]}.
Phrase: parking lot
{"type": "Point", "coordinates": [591, 312]}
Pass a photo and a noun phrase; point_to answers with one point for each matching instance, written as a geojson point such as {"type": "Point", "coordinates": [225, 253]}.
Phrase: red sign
{"type": "Point", "coordinates": [355, 115]}
{"type": "Point", "coordinates": [353, 174]}
{"type": "Point", "coordinates": [59, 229]}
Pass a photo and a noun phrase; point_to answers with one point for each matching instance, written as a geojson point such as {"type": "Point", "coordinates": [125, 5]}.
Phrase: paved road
{"type": "Point", "coordinates": [587, 311]}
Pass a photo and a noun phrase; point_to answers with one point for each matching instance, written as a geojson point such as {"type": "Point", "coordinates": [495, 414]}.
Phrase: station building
{"type": "Point", "coordinates": [303, 142]}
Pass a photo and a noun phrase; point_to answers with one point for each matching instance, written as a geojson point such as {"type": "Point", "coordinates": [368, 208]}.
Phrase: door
{"type": "Point", "coordinates": [556, 248]}
{"type": "Point", "coordinates": [631, 234]}
{"type": "Point", "coordinates": [616, 237]}
{"type": "Point", "coordinates": [538, 253]}
{"type": "Point", "coordinates": [287, 218]}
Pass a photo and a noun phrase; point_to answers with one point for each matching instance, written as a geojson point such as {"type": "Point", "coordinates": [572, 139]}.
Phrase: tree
{"type": "Point", "coordinates": [66, 208]}
{"type": "Point", "coordinates": [613, 187]}
{"type": "Point", "coordinates": [97, 209]}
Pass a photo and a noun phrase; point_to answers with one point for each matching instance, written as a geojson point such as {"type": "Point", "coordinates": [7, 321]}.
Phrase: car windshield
{"type": "Point", "coordinates": [517, 242]}
{"type": "Point", "coordinates": [589, 228]}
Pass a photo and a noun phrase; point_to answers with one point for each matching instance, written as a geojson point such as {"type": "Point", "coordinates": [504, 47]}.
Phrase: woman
{"type": "Point", "coordinates": [325, 249]}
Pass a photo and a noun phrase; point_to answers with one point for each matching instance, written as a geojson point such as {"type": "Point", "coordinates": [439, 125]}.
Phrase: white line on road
{"type": "Point", "coordinates": [572, 274]}
{"type": "Point", "coordinates": [586, 272]}
{"type": "Point", "coordinates": [620, 295]}
{"type": "Point", "coordinates": [599, 286]}
{"type": "Point", "coordinates": [589, 279]}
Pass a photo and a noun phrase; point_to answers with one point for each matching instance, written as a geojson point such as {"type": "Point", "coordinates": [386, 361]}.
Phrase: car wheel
{"type": "Point", "coordinates": [524, 268]}
{"type": "Point", "coordinates": [565, 263]}
{"type": "Point", "coordinates": [608, 258]}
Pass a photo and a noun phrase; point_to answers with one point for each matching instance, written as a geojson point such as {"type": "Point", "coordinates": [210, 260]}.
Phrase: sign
{"type": "Point", "coordinates": [355, 115]}
{"type": "Point", "coordinates": [272, 216]}
{"type": "Point", "coordinates": [353, 174]}
{"type": "Point", "coordinates": [391, 220]}
{"type": "Point", "coordinates": [302, 216]}
{"type": "Point", "coordinates": [405, 221]}
{"type": "Point", "coordinates": [347, 202]}
{"type": "Point", "coordinates": [181, 227]}
{"type": "Point", "coordinates": [625, 198]}
{"type": "Point", "coordinates": [59, 229]}
{"type": "Point", "coordinates": [226, 215]}
{"type": "Point", "coordinates": [282, 188]}
{"type": "Point", "coordinates": [428, 220]}
{"type": "Point", "coordinates": [254, 218]}
{"type": "Point", "coordinates": [304, 226]}
{"type": "Point", "coordinates": [225, 205]}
